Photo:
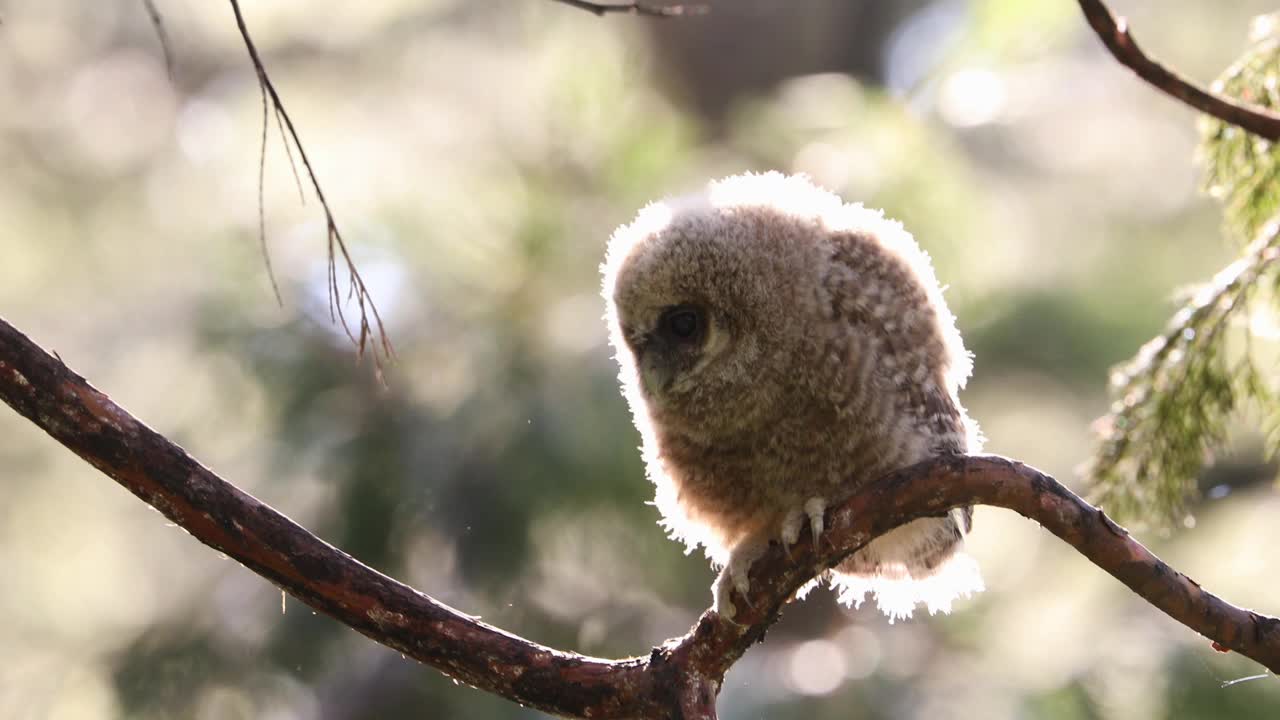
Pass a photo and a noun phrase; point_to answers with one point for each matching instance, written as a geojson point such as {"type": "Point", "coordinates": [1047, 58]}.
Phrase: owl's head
{"type": "Point", "coordinates": [722, 305]}
{"type": "Point", "coordinates": [710, 297]}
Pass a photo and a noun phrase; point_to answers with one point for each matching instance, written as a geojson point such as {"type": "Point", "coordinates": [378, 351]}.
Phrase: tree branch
{"type": "Point", "coordinates": [162, 35]}
{"type": "Point", "coordinates": [679, 679]}
{"type": "Point", "coordinates": [1114, 34]}
{"type": "Point", "coordinates": [634, 8]}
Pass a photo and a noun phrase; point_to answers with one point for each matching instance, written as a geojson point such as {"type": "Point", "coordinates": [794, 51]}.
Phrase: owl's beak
{"type": "Point", "coordinates": [655, 374]}
{"type": "Point", "coordinates": [656, 379]}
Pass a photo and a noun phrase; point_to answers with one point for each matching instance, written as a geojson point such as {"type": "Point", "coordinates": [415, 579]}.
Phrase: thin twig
{"type": "Point", "coordinates": [356, 286]}
{"type": "Point", "coordinates": [293, 166]}
{"type": "Point", "coordinates": [157, 22]}
{"type": "Point", "coordinates": [681, 677]}
{"type": "Point", "coordinates": [262, 213]}
{"type": "Point", "coordinates": [635, 8]}
{"type": "Point", "coordinates": [1114, 34]}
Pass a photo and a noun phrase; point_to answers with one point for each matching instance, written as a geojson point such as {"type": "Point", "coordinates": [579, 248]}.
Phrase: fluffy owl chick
{"type": "Point", "coordinates": [779, 349]}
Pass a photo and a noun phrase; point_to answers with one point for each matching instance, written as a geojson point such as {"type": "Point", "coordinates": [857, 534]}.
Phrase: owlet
{"type": "Point", "coordinates": [779, 349]}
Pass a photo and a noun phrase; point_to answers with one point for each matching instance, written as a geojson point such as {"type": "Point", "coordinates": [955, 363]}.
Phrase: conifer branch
{"type": "Point", "coordinates": [1173, 402]}
{"type": "Point", "coordinates": [1173, 399]}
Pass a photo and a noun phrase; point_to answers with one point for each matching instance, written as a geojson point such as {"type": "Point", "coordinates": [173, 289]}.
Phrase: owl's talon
{"type": "Point", "coordinates": [790, 532]}
{"type": "Point", "coordinates": [725, 585]}
{"type": "Point", "coordinates": [743, 585]}
{"type": "Point", "coordinates": [741, 582]}
{"type": "Point", "coordinates": [727, 613]}
{"type": "Point", "coordinates": [734, 576]}
{"type": "Point", "coordinates": [814, 508]}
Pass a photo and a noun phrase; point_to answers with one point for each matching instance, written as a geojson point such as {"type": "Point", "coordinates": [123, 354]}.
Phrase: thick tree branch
{"type": "Point", "coordinates": [1114, 34]}
{"type": "Point", "coordinates": [679, 679]}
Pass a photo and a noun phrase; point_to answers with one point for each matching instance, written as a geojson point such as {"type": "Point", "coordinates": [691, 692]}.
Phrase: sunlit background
{"type": "Point", "coordinates": [477, 155]}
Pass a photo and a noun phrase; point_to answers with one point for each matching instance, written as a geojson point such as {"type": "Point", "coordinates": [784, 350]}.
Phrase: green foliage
{"type": "Point", "coordinates": [1242, 170]}
{"type": "Point", "coordinates": [1173, 400]}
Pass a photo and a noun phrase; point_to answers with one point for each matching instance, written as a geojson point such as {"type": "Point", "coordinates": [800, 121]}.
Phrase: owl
{"type": "Point", "coordinates": [779, 349]}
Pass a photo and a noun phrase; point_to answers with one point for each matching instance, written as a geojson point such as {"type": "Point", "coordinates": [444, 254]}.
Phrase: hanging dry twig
{"type": "Point", "coordinates": [370, 319]}
{"type": "Point", "coordinates": [680, 678]}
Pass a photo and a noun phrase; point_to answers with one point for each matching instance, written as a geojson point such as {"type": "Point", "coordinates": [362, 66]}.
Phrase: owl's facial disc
{"type": "Point", "coordinates": [681, 340]}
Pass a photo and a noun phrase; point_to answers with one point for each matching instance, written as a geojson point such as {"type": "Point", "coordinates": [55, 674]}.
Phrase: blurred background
{"type": "Point", "coordinates": [477, 155]}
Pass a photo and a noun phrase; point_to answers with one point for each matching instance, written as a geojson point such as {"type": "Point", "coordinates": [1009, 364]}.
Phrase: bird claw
{"type": "Point", "coordinates": [814, 508]}
{"type": "Point", "coordinates": [724, 587]}
{"type": "Point", "coordinates": [734, 577]}
{"type": "Point", "coordinates": [790, 533]}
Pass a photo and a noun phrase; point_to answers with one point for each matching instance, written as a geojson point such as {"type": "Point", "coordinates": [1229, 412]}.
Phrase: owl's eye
{"type": "Point", "coordinates": [683, 323]}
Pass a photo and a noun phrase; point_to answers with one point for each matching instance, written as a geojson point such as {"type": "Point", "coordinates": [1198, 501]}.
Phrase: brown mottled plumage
{"type": "Point", "coordinates": [779, 349]}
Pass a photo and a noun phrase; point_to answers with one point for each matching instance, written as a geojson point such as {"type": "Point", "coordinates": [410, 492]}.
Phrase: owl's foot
{"type": "Point", "coordinates": [734, 577]}
{"type": "Point", "coordinates": [812, 511]}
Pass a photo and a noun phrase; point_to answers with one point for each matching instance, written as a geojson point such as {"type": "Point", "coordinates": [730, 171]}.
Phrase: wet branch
{"type": "Point", "coordinates": [679, 679]}
{"type": "Point", "coordinates": [1114, 34]}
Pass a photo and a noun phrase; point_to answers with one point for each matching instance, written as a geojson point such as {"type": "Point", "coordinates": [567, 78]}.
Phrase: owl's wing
{"type": "Point", "coordinates": [882, 297]}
